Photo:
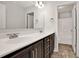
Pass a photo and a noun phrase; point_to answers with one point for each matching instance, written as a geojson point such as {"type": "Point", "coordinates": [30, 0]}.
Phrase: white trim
{"type": "Point", "coordinates": [55, 50]}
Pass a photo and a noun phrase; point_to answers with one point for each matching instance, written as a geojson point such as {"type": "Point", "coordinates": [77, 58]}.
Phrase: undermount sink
{"type": "Point", "coordinates": [17, 40]}
{"type": "Point", "coordinates": [22, 39]}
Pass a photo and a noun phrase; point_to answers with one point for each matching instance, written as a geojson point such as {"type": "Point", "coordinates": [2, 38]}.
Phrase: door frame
{"type": "Point", "coordinates": [76, 30]}
{"type": "Point", "coordinates": [75, 23]}
{"type": "Point", "coordinates": [27, 19]}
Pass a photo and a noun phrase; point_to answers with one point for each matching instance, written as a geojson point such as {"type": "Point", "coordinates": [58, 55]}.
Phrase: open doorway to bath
{"type": "Point", "coordinates": [30, 20]}
{"type": "Point", "coordinates": [67, 24]}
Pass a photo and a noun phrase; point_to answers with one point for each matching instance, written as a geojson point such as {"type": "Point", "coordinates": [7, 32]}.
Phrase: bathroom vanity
{"type": "Point", "coordinates": [35, 31]}
{"type": "Point", "coordinates": [42, 48]}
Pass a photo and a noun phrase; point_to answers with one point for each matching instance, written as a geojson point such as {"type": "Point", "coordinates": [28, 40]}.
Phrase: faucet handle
{"type": "Point", "coordinates": [12, 34]}
{"type": "Point", "coordinates": [16, 33]}
{"type": "Point", "coordinates": [8, 34]}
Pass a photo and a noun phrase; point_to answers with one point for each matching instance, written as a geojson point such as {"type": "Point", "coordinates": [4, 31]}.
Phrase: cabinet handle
{"type": "Point", "coordinates": [33, 53]}
{"type": "Point", "coordinates": [48, 40]}
{"type": "Point", "coordinates": [36, 52]}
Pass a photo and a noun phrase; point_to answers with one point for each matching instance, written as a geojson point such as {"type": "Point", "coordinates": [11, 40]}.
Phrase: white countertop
{"type": "Point", "coordinates": [8, 46]}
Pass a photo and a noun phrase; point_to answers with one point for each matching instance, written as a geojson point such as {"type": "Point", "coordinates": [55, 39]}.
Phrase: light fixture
{"type": "Point", "coordinates": [60, 7]}
{"type": "Point", "coordinates": [39, 4]}
{"type": "Point", "coordinates": [36, 4]}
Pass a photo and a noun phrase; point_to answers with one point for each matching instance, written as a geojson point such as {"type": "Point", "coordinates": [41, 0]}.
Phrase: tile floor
{"type": "Point", "coordinates": [65, 51]}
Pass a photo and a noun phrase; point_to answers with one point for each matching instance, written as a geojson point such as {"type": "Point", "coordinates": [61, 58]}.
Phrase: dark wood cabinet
{"type": "Point", "coordinates": [49, 45]}
{"type": "Point", "coordinates": [52, 43]}
{"type": "Point", "coordinates": [46, 47]}
{"type": "Point", "coordinates": [35, 50]}
{"type": "Point", "coordinates": [25, 53]}
{"type": "Point", "coordinates": [40, 49]}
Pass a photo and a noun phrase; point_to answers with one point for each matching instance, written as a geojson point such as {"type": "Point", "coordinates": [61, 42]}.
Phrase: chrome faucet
{"type": "Point", "coordinates": [40, 30]}
{"type": "Point", "coordinates": [13, 35]}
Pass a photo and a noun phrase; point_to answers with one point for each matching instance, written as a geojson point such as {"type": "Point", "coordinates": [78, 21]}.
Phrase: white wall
{"type": "Point", "coordinates": [51, 12]}
{"type": "Point", "coordinates": [15, 16]}
{"type": "Point", "coordinates": [43, 16]}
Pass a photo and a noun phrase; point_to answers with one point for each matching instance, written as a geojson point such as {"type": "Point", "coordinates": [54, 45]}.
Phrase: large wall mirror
{"type": "Point", "coordinates": [19, 15]}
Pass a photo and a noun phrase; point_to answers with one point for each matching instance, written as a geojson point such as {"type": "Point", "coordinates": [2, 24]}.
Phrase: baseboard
{"type": "Point", "coordinates": [64, 44]}
{"type": "Point", "coordinates": [77, 55]}
{"type": "Point", "coordinates": [55, 50]}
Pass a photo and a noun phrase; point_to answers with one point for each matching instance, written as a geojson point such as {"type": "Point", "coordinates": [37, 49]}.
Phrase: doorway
{"type": "Point", "coordinates": [30, 20]}
{"type": "Point", "coordinates": [67, 25]}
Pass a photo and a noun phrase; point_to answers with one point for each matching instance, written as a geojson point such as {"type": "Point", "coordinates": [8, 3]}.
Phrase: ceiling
{"type": "Point", "coordinates": [20, 3]}
{"type": "Point", "coordinates": [31, 3]}
{"type": "Point", "coordinates": [25, 3]}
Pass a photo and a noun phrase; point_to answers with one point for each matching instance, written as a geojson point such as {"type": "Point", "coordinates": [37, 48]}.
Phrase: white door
{"type": "Point", "coordinates": [30, 21]}
{"type": "Point", "coordinates": [65, 30]}
{"type": "Point", "coordinates": [74, 28]}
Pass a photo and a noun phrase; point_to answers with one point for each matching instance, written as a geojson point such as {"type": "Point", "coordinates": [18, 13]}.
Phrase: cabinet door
{"type": "Point", "coordinates": [46, 47]}
{"type": "Point", "coordinates": [25, 53]}
{"type": "Point", "coordinates": [52, 38]}
{"type": "Point", "coordinates": [33, 51]}
{"type": "Point", "coordinates": [38, 49]}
